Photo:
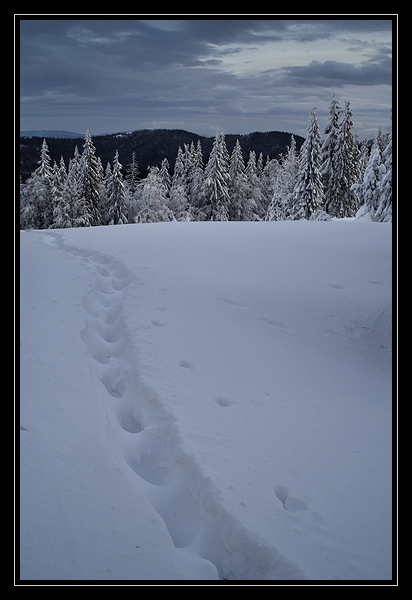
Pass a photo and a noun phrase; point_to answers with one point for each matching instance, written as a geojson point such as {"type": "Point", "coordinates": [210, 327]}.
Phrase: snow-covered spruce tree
{"type": "Point", "coordinates": [132, 175]}
{"type": "Point", "coordinates": [165, 175]}
{"type": "Point", "coordinates": [189, 158]}
{"type": "Point", "coordinates": [179, 204]}
{"type": "Point", "coordinates": [104, 203]}
{"type": "Point", "coordinates": [308, 192]}
{"type": "Point", "coordinates": [73, 184]}
{"type": "Point", "coordinates": [328, 149]}
{"type": "Point", "coordinates": [179, 172]}
{"type": "Point", "coordinates": [375, 190]}
{"type": "Point", "coordinates": [152, 202]}
{"type": "Point", "coordinates": [116, 197]}
{"type": "Point", "coordinates": [238, 186]}
{"type": "Point", "coordinates": [384, 210]}
{"type": "Point", "coordinates": [197, 189]}
{"type": "Point", "coordinates": [88, 208]}
{"type": "Point", "coordinates": [255, 195]}
{"type": "Point", "coordinates": [267, 179]}
{"type": "Point", "coordinates": [369, 191]}
{"type": "Point", "coordinates": [345, 170]}
{"type": "Point", "coordinates": [283, 185]}
{"type": "Point", "coordinates": [61, 200]}
{"type": "Point", "coordinates": [363, 158]}
{"type": "Point", "coordinates": [217, 182]}
{"type": "Point", "coordinates": [37, 206]}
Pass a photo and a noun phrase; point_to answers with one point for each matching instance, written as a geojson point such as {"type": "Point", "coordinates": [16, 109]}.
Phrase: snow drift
{"type": "Point", "coordinates": [206, 401]}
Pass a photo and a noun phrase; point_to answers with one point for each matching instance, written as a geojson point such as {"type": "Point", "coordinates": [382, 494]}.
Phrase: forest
{"type": "Point", "coordinates": [333, 178]}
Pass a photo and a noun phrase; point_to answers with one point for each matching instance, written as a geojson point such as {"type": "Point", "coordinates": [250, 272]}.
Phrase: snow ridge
{"type": "Point", "coordinates": [211, 544]}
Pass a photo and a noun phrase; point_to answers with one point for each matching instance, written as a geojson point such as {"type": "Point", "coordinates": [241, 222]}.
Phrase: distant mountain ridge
{"type": "Point", "coordinates": [150, 145]}
{"type": "Point", "coordinates": [50, 133]}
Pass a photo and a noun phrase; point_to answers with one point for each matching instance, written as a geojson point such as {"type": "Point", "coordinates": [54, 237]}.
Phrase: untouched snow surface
{"type": "Point", "coordinates": [206, 401]}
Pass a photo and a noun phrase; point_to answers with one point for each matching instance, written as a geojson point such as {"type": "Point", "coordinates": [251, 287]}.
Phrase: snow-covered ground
{"type": "Point", "coordinates": [206, 401]}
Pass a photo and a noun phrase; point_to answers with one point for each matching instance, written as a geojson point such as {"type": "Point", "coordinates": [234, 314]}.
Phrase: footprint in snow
{"type": "Point", "coordinates": [186, 364]}
{"type": "Point", "coordinates": [222, 401]}
{"type": "Point", "coordinates": [337, 286]}
{"type": "Point", "coordinates": [290, 503]}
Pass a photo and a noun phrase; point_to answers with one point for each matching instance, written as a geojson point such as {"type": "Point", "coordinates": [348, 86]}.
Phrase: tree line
{"type": "Point", "coordinates": [333, 179]}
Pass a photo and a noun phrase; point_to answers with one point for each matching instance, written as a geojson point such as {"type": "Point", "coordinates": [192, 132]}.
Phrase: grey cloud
{"type": "Point", "coordinates": [337, 74]}
{"type": "Point", "coordinates": [164, 70]}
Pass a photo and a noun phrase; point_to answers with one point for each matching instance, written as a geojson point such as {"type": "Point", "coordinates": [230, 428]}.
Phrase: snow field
{"type": "Point", "coordinates": [240, 376]}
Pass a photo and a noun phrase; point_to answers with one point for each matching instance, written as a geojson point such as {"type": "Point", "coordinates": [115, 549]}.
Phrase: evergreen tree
{"type": "Point", "coordinates": [255, 194]}
{"type": "Point", "coordinates": [217, 181]}
{"type": "Point", "coordinates": [37, 205]}
{"type": "Point", "coordinates": [153, 204]}
{"type": "Point", "coordinates": [189, 161]}
{"type": "Point", "coordinates": [369, 190]}
{"type": "Point", "coordinates": [165, 176]}
{"type": "Point", "coordinates": [132, 175]}
{"type": "Point", "coordinates": [179, 204]}
{"type": "Point", "coordinates": [88, 213]}
{"type": "Point", "coordinates": [238, 186]}
{"type": "Point", "coordinates": [116, 195]}
{"type": "Point", "coordinates": [345, 170]}
{"type": "Point", "coordinates": [73, 184]}
{"type": "Point", "coordinates": [61, 202]}
{"type": "Point", "coordinates": [363, 158]}
{"type": "Point", "coordinates": [179, 173]}
{"type": "Point", "coordinates": [242, 206]}
{"type": "Point", "coordinates": [283, 186]}
{"type": "Point", "coordinates": [308, 193]}
{"type": "Point", "coordinates": [104, 196]}
{"type": "Point", "coordinates": [267, 179]}
{"type": "Point", "coordinates": [384, 209]}
{"type": "Point", "coordinates": [328, 150]}
{"type": "Point", "coordinates": [197, 190]}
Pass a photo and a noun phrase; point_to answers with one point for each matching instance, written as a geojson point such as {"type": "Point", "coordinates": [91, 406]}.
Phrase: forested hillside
{"type": "Point", "coordinates": [150, 145]}
{"type": "Point", "coordinates": [210, 179]}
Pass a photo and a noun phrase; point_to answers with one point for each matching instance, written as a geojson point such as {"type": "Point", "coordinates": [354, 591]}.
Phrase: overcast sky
{"type": "Point", "coordinates": [236, 75]}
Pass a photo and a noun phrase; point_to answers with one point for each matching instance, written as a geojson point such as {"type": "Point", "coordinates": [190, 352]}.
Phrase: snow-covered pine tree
{"type": "Point", "coordinates": [363, 158]}
{"type": "Point", "coordinates": [88, 209]}
{"type": "Point", "coordinates": [116, 197]}
{"type": "Point", "coordinates": [217, 181]}
{"type": "Point", "coordinates": [267, 179]}
{"type": "Point", "coordinates": [152, 202]}
{"type": "Point", "coordinates": [369, 191]}
{"type": "Point", "coordinates": [73, 184]}
{"type": "Point", "coordinates": [132, 175]}
{"type": "Point", "coordinates": [283, 185]}
{"type": "Point", "coordinates": [328, 149]}
{"type": "Point", "coordinates": [255, 195]}
{"type": "Point", "coordinates": [242, 206]}
{"type": "Point", "coordinates": [345, 170]}
{"type": "Point", "coordinates": [165, 175]}
{"type": "Point", "coordinates": [179, 204]}
{"type": "Point", "coordinates": [189, 158]}
{"type": "Point", "coordinates": [61, 201]}
{"type": "Point", "coordinates": [308, 192]}
{"type": "Point", "coordinates": [197, 189]}
{"type": "Point", "coordinates": [179, 172]}
{"type": "Point", "coordinates": [380, 140]}
{"type": "Point", "coordinates": [375, 190]}
{"type": "Point", "coordinates": [37, 206]}
{"type": "Point", "coordinates": [104, 202]}
{"type": "Point", "coordinates": [45, 172]}
{"type": "Point", "coordinates": [384, 210]}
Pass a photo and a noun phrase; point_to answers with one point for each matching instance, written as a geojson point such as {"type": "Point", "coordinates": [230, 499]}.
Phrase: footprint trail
{"type": "Point", "coordinates": [145, 439]}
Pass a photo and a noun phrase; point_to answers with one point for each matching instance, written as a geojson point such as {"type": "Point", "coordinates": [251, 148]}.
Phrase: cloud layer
{"type": "Point", "coordinates": [236, 74]}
